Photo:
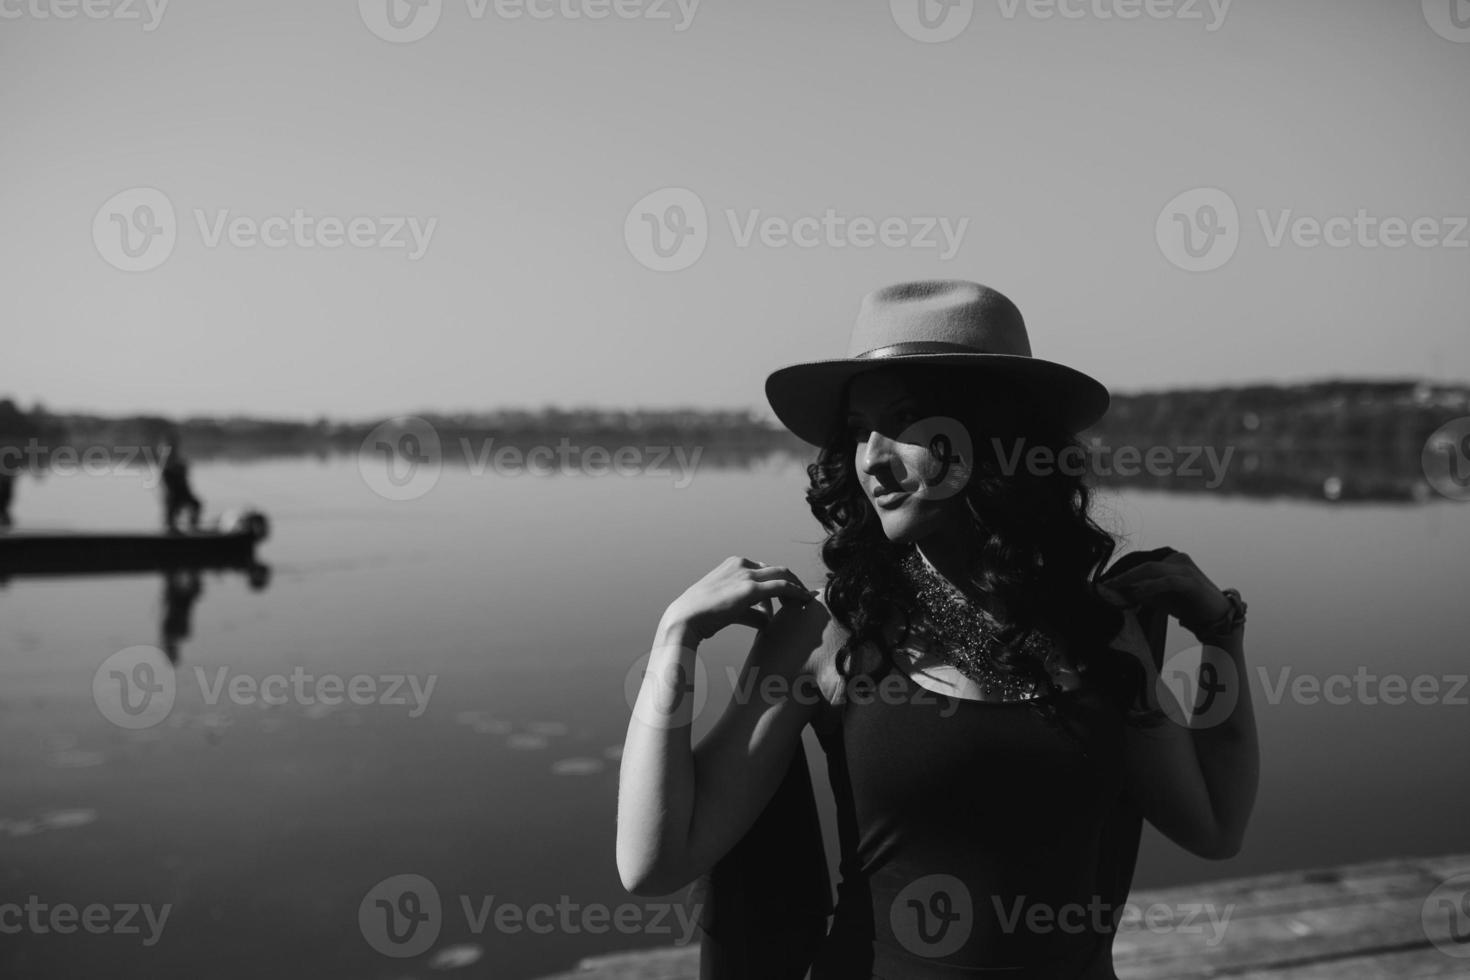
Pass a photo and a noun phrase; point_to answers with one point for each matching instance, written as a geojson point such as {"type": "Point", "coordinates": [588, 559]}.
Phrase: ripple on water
{"type": "Point", "coordinates": [75, 759]}
{"type": "Point", "coordinates": [552, 728]}
{"type": "Point", "coordinates": [51, 820]}
{"type": "Point", "coordinates": [613, 752]}
{"type": "Point", "coordinates": [66, 819]}
{"type": "Point", "coordinates": [523, 741]}
{"type": "Point", "coordinates": [577, 767]}
{"type": "Point", "coordinates": [454, 957]}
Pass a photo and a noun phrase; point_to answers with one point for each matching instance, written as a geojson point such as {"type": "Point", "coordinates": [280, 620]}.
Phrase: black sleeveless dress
{"type": "Point", "coordinates": [972, 835]}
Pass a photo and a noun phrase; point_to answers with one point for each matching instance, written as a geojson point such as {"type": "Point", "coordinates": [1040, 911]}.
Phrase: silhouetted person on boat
{"type": "Point", "coordinates": [7, 493]}
{"type": "Point", "coordinates": [182, 587]}
{"type": "Point", "coordinates": [177, 495]}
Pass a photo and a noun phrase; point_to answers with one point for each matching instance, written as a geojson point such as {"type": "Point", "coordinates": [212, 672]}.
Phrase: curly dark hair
{"type": "Point", "coordinates": [1035, 545]}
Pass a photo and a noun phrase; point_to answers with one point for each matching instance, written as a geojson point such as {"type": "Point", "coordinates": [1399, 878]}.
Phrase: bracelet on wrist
{"type": "Point", "coordinates": [1229, 622]}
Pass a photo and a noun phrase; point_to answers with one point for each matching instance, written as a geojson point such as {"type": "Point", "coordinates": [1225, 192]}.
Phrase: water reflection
{"type": "Point", "coordinates": [182, 587]}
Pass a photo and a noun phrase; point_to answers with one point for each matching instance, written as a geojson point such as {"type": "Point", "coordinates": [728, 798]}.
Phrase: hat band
{"type": "Point", "coordinates": [918, 347]}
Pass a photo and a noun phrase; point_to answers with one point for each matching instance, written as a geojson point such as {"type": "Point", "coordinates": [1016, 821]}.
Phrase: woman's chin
{"type": "Point", "coordinates": [910, 524]}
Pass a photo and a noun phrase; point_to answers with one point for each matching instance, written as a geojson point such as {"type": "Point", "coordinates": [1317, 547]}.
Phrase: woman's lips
{"type": "Point", "coordinates": [889, 499]}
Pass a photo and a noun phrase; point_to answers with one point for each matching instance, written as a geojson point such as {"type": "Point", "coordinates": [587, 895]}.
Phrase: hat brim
{"type": "Point", "coordinates": [805, 397]}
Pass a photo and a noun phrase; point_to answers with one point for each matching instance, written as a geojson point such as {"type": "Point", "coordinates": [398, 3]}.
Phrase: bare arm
{"type": "Point", "coordinates": [1195, 775]}
{"type": "Point", "coordinates": [680, 809]}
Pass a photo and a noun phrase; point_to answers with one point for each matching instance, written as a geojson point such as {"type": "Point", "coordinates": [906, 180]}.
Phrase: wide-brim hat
{"type": "Point", "coordinates": [934, 323]}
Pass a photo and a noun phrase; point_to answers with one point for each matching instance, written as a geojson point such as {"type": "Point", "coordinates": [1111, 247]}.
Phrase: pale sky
{"type": "Point", "coordinates": [528, 141]}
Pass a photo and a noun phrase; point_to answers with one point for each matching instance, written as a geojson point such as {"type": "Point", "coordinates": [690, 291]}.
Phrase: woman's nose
{"type": "Point", "coordinates": [877, 452]}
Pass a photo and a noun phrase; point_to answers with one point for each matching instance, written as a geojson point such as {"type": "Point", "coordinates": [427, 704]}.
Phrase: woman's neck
{"type": "Point", "coordinates": [951, 556]}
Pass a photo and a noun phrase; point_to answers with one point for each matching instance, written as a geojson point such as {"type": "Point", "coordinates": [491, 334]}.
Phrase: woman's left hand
{"type": "Point", "coordinates": [1174, 584]}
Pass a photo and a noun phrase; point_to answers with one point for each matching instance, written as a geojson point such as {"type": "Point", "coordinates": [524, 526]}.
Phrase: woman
{"type": "Point", "coordinates": [986, 703]}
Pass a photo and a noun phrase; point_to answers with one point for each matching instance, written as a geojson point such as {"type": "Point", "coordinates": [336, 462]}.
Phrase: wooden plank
{"type": "Point", "coordinates": [669, 963]}
{"type": "Point", "coordinates": [1423, 962]}
{"type": "Point", "coordinates": [1355, 921]}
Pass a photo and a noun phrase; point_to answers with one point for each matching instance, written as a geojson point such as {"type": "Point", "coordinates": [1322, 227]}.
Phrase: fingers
{"type": "Point", "coordinates": [1141, 573]}
{"type": "Point", "coordinates": [779, 588]}
{"type": "Point", "coordinates": [768, 572]}
{"type": "Point", "coordinates": [1140, 590]}
{"type": "Point", "coordinates": [754, 617]}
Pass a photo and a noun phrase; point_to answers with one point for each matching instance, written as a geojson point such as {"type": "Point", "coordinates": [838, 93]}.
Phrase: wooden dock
{"type": "Point", "coordinates": [1408, 917]}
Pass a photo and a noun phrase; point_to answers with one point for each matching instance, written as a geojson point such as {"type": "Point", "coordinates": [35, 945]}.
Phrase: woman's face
{"type": "Point", "coordinates": [911, 463]}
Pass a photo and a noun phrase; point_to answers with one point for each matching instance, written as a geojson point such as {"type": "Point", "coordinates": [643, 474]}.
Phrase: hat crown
{"type": "Point", "coordinates": [938, 316]}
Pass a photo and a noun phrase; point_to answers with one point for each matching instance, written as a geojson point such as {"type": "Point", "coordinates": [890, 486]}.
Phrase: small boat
{"type": "Point", "coordinates": [229, 544]}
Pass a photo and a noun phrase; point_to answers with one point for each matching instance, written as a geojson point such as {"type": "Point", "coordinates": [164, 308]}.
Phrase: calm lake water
{"type": "Point", "coordinates": [526, 601]}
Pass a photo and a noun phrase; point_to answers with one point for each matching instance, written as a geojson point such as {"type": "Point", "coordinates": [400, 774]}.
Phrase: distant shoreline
{"type": "Point", "coordinates": [1334, 440]}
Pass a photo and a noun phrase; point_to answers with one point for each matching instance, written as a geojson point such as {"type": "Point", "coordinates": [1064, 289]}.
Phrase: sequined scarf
{"type": "Point", "coordinates": [969, 638]}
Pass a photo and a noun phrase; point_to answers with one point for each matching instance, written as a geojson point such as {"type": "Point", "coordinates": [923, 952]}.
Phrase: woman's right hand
{"type": "Point", "coordinates": [738, 590]}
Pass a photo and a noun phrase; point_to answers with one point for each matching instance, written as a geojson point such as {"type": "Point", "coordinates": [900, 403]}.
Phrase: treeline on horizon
{"type": "Point", "coordinates": [1342, 439]}
{"type": "Point", "coordinates": [1354, 415]}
